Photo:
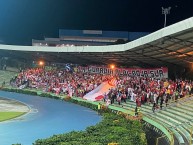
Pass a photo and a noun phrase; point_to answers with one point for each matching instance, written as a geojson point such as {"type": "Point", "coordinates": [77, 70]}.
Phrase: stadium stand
{"type": "Point", "coordinates": [179, 122]}
{"type": "Point", "coordinates": [170, 47]}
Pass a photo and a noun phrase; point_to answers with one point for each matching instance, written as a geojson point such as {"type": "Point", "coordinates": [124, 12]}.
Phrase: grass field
{"type": "Point", "coordinates": [9, 115]}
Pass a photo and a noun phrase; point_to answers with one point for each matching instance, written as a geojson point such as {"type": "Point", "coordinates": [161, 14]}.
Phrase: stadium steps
{"type": "Point", "coordinates": [187, 126]}
{"type": "Point", "coordinates": [178, 136]}
{"type": "Point", "coordinates": [179, 118]}
{"type": "Point", "coordinates": [188, 104]}
{"type": "Point", "coordinates": [132, 105]}
{"type": "Point", "coordinates": [180, 133]}
{"type": "Point", "coordinates": [166, 122]}
{"type": "Point", "coordinates": [185, 108]}
{"type": "Point", "coordinates": [168, 118]}
{"type": "Point", "coordinates": [174, 116]}
{"type": "Point", "coordinates": [176, 109]}
{"type": "Point", "coordinates": [181, 114]}
{"type": "Point", "coordinates": [171, 125]}
{"type": "Point", "coordinates": [184, 132]}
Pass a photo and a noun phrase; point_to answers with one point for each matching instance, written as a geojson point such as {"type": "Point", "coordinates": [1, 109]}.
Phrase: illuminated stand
{"type": "Point", "coordinates": [166, 11]}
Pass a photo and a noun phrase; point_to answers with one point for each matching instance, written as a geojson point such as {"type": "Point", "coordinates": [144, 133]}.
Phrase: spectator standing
{"type": "Point", "coordinates": [99, 108]}
{"type": "Point", "coordinates": [124, 96]}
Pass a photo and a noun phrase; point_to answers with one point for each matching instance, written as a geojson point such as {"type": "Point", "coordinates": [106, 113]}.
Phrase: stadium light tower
{"type": "Point", "coordinates": [165, 12]}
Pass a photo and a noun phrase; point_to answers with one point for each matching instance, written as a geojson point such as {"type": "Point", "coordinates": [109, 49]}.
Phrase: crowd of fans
{"type": "Point", "coordinates": [149, 90]}
{"type": "Point", "coordinates": [74, 83]}
{"type": "Point", "coordinates": [59, 81]}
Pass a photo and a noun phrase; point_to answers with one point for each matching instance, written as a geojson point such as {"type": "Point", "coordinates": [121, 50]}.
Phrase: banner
{"type": "Point", "coordinates": [138, 72]}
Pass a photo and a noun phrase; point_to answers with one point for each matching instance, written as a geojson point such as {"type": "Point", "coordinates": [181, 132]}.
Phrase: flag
{"type": "Point", "coordinates": [98, 93]}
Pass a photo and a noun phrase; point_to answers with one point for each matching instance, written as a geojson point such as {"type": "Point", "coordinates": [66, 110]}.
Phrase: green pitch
{"type": "Point", "coordinates": [9, 115]}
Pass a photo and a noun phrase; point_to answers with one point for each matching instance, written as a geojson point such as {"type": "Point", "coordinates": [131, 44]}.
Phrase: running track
{"type": "Point", "coordinates": [48, 117]}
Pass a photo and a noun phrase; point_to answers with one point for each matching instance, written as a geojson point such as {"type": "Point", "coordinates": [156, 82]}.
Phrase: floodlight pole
{"type": "Point", "coordinates": [165, 12]}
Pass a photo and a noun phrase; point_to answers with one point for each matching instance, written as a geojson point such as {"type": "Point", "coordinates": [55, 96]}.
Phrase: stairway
{"type": "Point", "coordinates": [178, 117]}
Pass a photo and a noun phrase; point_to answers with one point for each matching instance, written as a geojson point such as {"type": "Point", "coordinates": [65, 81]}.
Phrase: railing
{"type": "Point", "coordinates": [190, 131]}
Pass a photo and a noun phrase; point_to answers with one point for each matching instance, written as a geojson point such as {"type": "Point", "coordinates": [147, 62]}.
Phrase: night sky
{"type": "Point", "coordinates": [24, 20]}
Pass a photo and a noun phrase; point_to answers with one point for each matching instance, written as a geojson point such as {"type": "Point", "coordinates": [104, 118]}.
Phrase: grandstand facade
{"type": "Point", "coordinates": [88, 38]}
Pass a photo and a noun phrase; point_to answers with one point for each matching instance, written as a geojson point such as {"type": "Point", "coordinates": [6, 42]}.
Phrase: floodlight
{"type": "Point", "coordinates": [165, 12]}
{"type": "Point", "coordinates": [112, 66]}
{"type": "Point", "coordinates": [41, 63]}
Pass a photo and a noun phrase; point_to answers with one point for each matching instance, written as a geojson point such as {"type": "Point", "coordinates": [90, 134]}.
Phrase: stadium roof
{"type": "Point", "coordinates": [170, 46]}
